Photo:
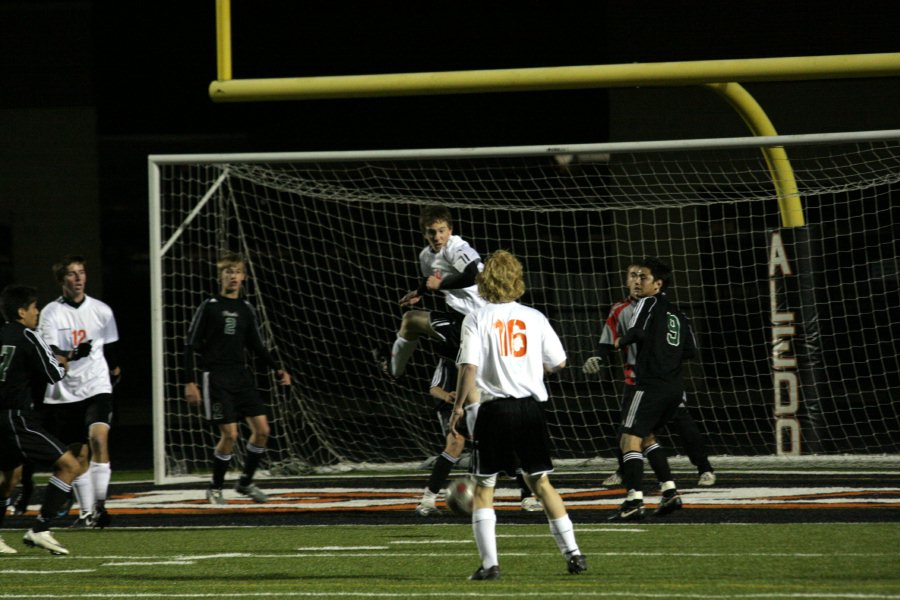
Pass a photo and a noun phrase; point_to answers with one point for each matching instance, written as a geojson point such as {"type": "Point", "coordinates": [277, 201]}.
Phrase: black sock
{"type": "Point", "coordinates": [659, 462]}
{"type": "Point", "coordinates": [440, 473]}
{"type": "Point", "coordinates": [4, 502]}
{"type": "Point", "coordinates": [254, 456]}
{"type": "Point", "coordinates": [55, 495]}
{"type": "Point", "coordinates": [633, 470]}
{"type": "Point", "coordinates": [619, 460]}
{"type": "Point", "coordinates": [220, 464]}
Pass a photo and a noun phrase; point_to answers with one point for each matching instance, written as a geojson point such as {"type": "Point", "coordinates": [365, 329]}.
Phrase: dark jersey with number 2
{"type": "Point", "coordinates": [664, 339]}
{"type": "Point", "coordinates": [222, 329]}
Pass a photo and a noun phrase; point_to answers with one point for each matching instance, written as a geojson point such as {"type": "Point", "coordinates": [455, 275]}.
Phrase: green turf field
{"type": "Point", "coordinates": [414, 561]}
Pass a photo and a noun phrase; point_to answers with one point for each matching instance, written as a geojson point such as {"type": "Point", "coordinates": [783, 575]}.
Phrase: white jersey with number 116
{"type": "Point", "coordinates": [510, 344]}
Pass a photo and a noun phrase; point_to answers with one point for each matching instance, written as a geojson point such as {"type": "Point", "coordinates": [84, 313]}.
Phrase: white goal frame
{"type": "Point", "coordinates": [159, 246]}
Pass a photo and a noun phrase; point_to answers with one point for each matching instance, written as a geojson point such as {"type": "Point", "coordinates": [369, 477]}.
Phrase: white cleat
{"type": "Point", "coordinates": [215, 496]}
{"type": "Point", "coordinates": [45, 540]}
{"type": "Point", "coordinates": [707, 479]}
{"type": "Point", "coordinates": [6, 548]}
{"type": "Point", "coordinates": [427, 509]}
{"type": "Point", "coordinates": [531, 504]}
{"type": "Point", "coordinates": [613, 480]}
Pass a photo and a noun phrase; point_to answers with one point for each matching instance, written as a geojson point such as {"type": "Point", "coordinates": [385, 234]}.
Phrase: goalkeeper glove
{"type": "Point", "coordinates": [593, 365]}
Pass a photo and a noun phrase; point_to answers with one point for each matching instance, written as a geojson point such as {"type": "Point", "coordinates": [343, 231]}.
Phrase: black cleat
{"type": "Point", "coordinates": [668, 504]}
{"type": "Point", "coordinates": [482, 574]}
{"type": "Point", "coordinates": [631, 510]}
{"type": "Point", "coordinates": [101, 517]}
{"type": "Point", "coordinates": [383, 363]}
{"type": "Point", "coordinates": [84, 521]}
{"type": "Point", "coordinates": [577, 564]}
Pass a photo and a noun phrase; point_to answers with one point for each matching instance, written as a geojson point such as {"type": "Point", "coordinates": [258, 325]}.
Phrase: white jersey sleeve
{"type": "Point", "coordinates": [510, 344]}
{"type": "Point", "coordinates": [65, 326]}
{"type": "Point", "coordinates": [453, 259]}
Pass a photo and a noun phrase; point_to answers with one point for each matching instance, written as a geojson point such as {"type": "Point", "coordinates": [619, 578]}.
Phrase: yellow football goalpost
{"type": "Point", "coordinates": [718, 75]}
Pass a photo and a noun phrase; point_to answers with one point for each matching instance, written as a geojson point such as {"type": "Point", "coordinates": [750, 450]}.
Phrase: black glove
{"type": "Point", "coordinates": [82, 351]}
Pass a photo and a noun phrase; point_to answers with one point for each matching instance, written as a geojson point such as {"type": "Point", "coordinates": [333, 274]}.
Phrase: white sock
{"type": "Point", "coordinates": [400, 354]}
{"type": "Point", "coordinates": [100, 475]}
{"type": "Point", "coordinates": [564, 533]}
{"type": "Point", "coordinates": [484, 525]}
{"type": "Point", "coordinates": [84, 492]}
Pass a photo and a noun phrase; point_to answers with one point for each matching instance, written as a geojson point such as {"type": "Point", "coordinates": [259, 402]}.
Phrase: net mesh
{"type": "Point", "coordinates": [333, 245]}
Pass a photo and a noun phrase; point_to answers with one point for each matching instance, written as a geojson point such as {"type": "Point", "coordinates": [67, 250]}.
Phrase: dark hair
{"type": "Point", "coordinates": [229, 259]}
{"type": "Point", "coordinates": [659, 270]}
{"type": "Point", "coordinates": [62, 267]}
{"type": "Point", "coordinates": [434, 213]}
{"type": "Point", "coordinates": [14, 297]}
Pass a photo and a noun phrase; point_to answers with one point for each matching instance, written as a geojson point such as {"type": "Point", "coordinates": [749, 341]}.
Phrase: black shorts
{"type": "Point", "coordinates": [23, 437]}
{"type": "Point", "coordinates": [229, 397]}
{"type": "Point", "coordinates": [70, 422]}
{"type": "Point", "coordinates": [444, 412]}
{"type": "Point", "coordinates": [448, 325]}
{"type": "Point", "coordinates": [511, 434]}
{"type": "Point", "coordinates": [646, 411]}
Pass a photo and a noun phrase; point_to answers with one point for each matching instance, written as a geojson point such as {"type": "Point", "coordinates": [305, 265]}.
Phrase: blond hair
{"type": "Point", "coordinates": [229, 260]}
{"type": "Point", "coordinates": [501, 280]}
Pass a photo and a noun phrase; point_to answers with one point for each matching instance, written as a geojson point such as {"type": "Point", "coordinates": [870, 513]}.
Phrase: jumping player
{"type": "Point", "coordinates": [222, 329]}
{"type": "Point", "coordinates": [506, 348]}
{"type": "Point", "coordinates": [448, 265]}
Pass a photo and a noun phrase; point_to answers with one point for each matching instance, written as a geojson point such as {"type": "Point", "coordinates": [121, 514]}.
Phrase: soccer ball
{"type": "Point", "coordinates": [460, 494]}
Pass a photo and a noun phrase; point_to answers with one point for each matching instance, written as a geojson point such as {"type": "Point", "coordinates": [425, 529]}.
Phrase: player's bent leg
{"type": "Point", "coordinates": [484, 527]}
{"type": "Point", "coordinates": [561, 527]}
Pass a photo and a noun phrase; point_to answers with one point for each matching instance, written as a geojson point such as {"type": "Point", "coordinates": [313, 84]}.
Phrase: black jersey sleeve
{"type": "Point", "coordinates": [637, 328]}
{"type": "Point", "coordinates": [256, 342]}
{"type": "Point", "coordinates": [42, 359]}
{"type": "Point", "coordinates": [457, 281]}
{"type": "Point", "coordinates": [192, 344]}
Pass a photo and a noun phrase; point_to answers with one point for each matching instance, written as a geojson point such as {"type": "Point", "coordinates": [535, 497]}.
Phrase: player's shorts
{"type": "Point", "coordinates": [71, 421]}
{"type": "Point", "coordinates": [228, 396]}
{"type": "Point", "coordinates": [448, 325]}
{"type": "Point", "coordinates": [23, 437]}
{"type": "Point", "coordinates": [444, 412]}
{"type": "Point", "coordinates": [511, 433]}
{"type": "Point", "coordinates": [646, 411]}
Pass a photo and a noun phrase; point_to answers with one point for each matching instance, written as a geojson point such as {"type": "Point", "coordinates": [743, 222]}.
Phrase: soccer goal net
{"type": "Point", "coordinates": [798, 327]}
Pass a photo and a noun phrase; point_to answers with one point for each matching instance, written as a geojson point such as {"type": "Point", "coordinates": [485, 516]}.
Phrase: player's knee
{"type": "Point", "coordinates": [455, 446]}
{"type": "Point", "coordinates": [538, 484]}
{"type": "Point", "coordinates": [68, 467]}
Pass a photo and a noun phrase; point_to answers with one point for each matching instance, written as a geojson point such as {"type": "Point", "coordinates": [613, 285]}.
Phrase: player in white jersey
{"type": "Point", "coordinates": [78, 408]}
{"type": "Point", "coordinates": [505, 350]}
{"type": "Point", "coordinates": [448, 265]}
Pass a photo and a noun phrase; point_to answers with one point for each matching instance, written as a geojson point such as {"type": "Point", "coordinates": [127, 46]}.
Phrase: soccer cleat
{"type": "Point", "coordinates": [630, 510]}
{"type": "Point", "coordinates": [669, 503]}
{"type": "Point", "coordinates": [45, 540]}
{"type": "Point", "coordinates": [531, 504]}
{"type": "Point", "coordinates": [613, 480]}
{"type": "Point", "coordinates": [425, 509]}
{"type": "Point", "coordinates": [84, 521]}
{"type": "Point", "coordinates": [577, 564]}
{"type": "Point", "coordinates": [383, 362]}
{"type": "Point", "coordinates": [482, 574]}
{"type": "Point", "coordinates": [214, 496]}
{"type": "Point", "coordinates": [101, 516]}
{"type": "Point", "coordinates": [6, 548]}
{"type": "Point", "coordinates": [707, 479]}
{"type": "Point", "coordinates": [251, 491]}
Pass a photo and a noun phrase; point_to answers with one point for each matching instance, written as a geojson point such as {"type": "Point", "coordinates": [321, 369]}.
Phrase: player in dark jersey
{"type": "Point", "coordinates": [27, 365]}
{"type": "Point", "coordinates": [443, 387]}
{"type": "Point", "coordinates": [663, 337]}
{"type": "Point", "coordinates": [223, 328]}
{"type": "Point", "coordinates": [682, 422]}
